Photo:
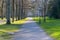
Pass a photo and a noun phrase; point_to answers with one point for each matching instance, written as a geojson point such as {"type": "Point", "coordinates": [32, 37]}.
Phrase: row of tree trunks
{"type": "Point", "coordinates": [20, 11]}
{"type": "Point", "coordinates": [14, 9]}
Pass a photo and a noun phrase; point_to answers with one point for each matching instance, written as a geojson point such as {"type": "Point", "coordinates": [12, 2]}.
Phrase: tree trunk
{"type": "Point", "coordinates": [22, 10]}
{"type": "Point", "coordinates": [12, 10]}
{"type": "Point", "coordinates": [8, 12]}
{"type": "Point", "coordinates": [19, 10]}
{"type": "Point", "coordinates": [2, 9]}
{"type": "Point", "coordinates": [45, 10]}
{"type": "Point", "coordinates": [16, 11]}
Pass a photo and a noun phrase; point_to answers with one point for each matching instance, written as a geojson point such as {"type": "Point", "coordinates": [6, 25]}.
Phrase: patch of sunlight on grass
{"type": "Point", "coordinates": [15, 22]}
{"type": "Point", "coordinates": [2, 21]}
{"type": "Point", "coordinates": [55, 34]}
{"type": "Point", "coordinates": [20, 21]}
{"type": "Point", "coordinates": [2, 30]}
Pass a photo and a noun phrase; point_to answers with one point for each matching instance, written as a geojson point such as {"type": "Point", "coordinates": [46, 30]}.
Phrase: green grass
{"type": "Point", "coordinates": [13, 27]}
{"type": "Point", "coordinates": [10, 27]}
{"type": "Point", "coordinates": [5, 29]}
{"type": "Point", "coordinates": [52, 27]}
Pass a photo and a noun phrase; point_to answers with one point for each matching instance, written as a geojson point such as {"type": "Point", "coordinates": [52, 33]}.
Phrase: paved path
{"type": "Point", "coordinates": [2, 21]}
{"type": "Point", "coordinates": [31, 31]}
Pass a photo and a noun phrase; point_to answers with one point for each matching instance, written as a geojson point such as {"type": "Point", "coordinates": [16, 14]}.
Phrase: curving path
{"type": "Point", "coordinates": [31, 31]}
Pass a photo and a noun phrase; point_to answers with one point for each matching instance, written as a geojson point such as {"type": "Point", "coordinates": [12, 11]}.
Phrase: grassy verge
{"type": "Point", "coordinates": [52, 27]}
{"type": "Point", "coordinates": [6, 31]}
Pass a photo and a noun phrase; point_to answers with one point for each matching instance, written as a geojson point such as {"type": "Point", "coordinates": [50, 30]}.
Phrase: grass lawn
{"type": "Point", "coordinates": [5, 29]}
{"type": "Point", "coordinates": [52, 27]}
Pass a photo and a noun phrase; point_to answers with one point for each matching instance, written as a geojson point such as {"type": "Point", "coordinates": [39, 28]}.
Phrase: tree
{"type": "Point", "coordinates": [2, 9]}
{"type": "Point", "coordinates": [12, 10]}
{"type": "Point", "coordinates": [8, 12]}
{"type": "Point", "coordinates": [19, 10]}
{"type": "Point", "coordinates": [45, 9]}
{"type": "Point", "coordinates": [54, 11]}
